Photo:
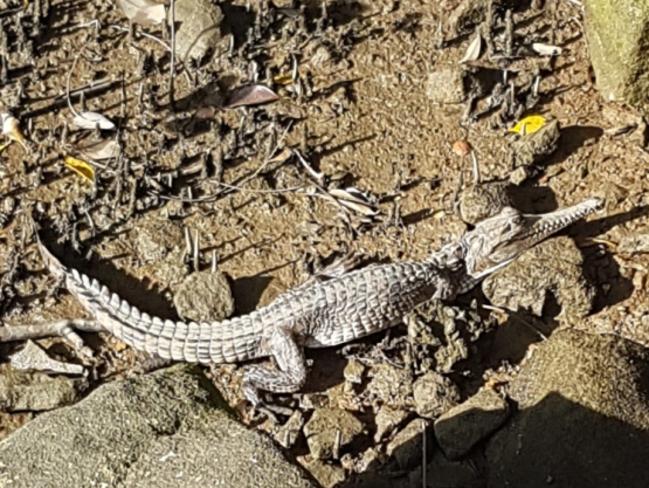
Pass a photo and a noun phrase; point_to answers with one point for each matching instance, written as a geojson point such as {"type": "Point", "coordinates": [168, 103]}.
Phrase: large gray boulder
{"type": "Point", "coordinates": [618, 39]}
{"type": "Point", "coordinates": [167, 429]}
{"type": "Point", "coordinates": [583, 419]}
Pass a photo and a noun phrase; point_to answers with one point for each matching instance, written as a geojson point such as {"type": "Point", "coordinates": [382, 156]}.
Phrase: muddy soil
{"type": "Point", "coordinates": [252, 184]}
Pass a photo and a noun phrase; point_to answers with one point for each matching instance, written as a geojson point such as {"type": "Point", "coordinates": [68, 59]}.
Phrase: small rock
{"type": "Point", "coordinates": [389, 385]}
{"type": "Point", "coordinates": [330, 429]}
{"type": "Point", "coordinates": [634, 243]}
{"type": "Point", "coordinates": [353, 372]}
{"type": "Point", "coordinates": [484, 200]}
{"type": "Point", "coordinates": [36, 392]}
{"type": "Point", "coordinates": [406, 446]}
{"type": "Point", "coordinates": [533, 148]}
{"type": "Point", "coordinates": [286, 435]}
{"type": "Point", "coordinates": [327, 475]}
{"type": "Point", "coordinates": [198, 27]}
{"type": "Point", "coordinates": [387, 419]}
{"type": "Point", "coordinates": [369, 459]}
{"type": "Point", "coordinates": [446, 85]}
{"type": "Point", "coordinates": [434, 394]}
{"type": "Point", "coordinates": [463, 426]}
{"type": "Point", "coordinates": [204, 296]}
{"type": "Point", "coordinates": [552, 266]}
{"type": "Point", "coordinates": [520, 174]}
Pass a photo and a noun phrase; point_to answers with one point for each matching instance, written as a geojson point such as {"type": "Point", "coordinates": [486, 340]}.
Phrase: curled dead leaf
{"type": "Point", "coordinates": [473, 51]}
{"type": "Point", "coordinates": [546, 49]}
{"type": "Point", "coordinates": [92, 120]}
{"type": "Point", "coordinates": [251, 95]}
{"type": "Point", "coordinates": [11, 129]}
{"type": "Point", "coordinates": [80, 167]}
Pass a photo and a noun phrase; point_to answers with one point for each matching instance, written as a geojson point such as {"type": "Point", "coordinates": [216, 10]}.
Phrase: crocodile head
{"type": "Point", "coordinates": [498, 240]}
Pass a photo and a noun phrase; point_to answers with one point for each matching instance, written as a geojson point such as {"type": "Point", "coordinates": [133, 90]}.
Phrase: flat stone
{"type": "Point", "coordinates": [166, 429]}
{"type": "Point", "coordinates": [36, 392]}
{"type": "Point", "coordinates": [446, 85]}
{"type": "Point", "coordinates": [33, 358]}
{"type": "Point", "coordinates": [327, 475]}
{"type": "Point", "coordinates": [459, 429]}
{"type": "Point", "coordinates": [287, 434]}
{"type": "Point", "coordinates": [204, 296]}
{"type": "Point", "coordinates": [434, 394]}
{"type": "Point", "coordinates": [330, 429]}
{"type": "Point", "coordinates": [198, 28]}
{"type": "Point", "coordinates": [406, 446]}
{"type": "Point", "coordinates": [556, 266]}
{"type": "Point", "coordinates": [583, 416]}
{"type": "Point", "coordinates": [387, 419]}
{"type": "Point", "coordinates": [618, 36]}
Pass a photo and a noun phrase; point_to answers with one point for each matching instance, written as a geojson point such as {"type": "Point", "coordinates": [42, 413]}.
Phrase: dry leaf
{"type": "Point", "coordinates": [358, 207]}
{"type": "Point", "coordinates": [11, 129]}
{"type": "Point", "coordinates": [473, 51]}
{"type": "Point", "coordinates": [101, 150]}
{"type": "Point", "coordinates": [546, 49]}
{"type": "Point", "coordinates": [354, 199]}
{"type": "Point", "coordinates": [81, 167]}
{"type": "Point", "coordinates": [528, 125]}
{"type": "Point", "coordinates": [144, 12]}
{"type": "Point", "coordinates": [251, 95]}
{"type": "Point", "coordinates": [92, 120]}
{"type": "Point", "coordinates": [283, 79]}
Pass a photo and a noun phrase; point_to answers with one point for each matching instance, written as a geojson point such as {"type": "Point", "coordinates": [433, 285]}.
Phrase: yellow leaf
{"type": "Point", "coordinates": [283, 79]}
{"type": "Point", "coordinates": [80, 167]}
{"type": "Point", "coordinates": [528, 125]}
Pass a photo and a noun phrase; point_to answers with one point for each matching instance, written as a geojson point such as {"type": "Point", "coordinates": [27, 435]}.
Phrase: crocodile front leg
{"type": "Point", "coordinates": [288, 377]}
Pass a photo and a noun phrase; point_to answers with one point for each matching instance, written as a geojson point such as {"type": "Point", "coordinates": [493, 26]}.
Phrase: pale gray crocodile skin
{"type": "Point", "coordinates": [333, 312]}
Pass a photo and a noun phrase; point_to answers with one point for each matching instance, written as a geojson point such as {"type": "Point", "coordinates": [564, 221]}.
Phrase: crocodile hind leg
{"type": "Point", "coordinates": [288, 377]}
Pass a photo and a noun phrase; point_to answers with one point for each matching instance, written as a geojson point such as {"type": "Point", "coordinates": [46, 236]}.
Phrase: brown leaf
{"type": "Point", "coordinates": [144, 12]}
{"type": "Point", "coordinates": [251, 95]}
{"type": "Point", "coordinates": [101, 150]}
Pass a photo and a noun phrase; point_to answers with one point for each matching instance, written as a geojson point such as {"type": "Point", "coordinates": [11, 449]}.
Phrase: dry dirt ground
{"type": "Point", "coordinates": [354, 102]}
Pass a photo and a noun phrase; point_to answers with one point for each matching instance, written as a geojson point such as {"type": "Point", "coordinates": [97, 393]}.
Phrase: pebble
{"type": "Point", "coordinates": [204, 296]}
{"type": "Point", "coordinates": [434, 394]}
{"type": "Point", "coordinates": [328, 430]}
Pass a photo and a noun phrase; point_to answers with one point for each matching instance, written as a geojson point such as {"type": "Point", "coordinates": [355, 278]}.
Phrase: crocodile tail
{"type": "Point", "coordinates": [206, 342]}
